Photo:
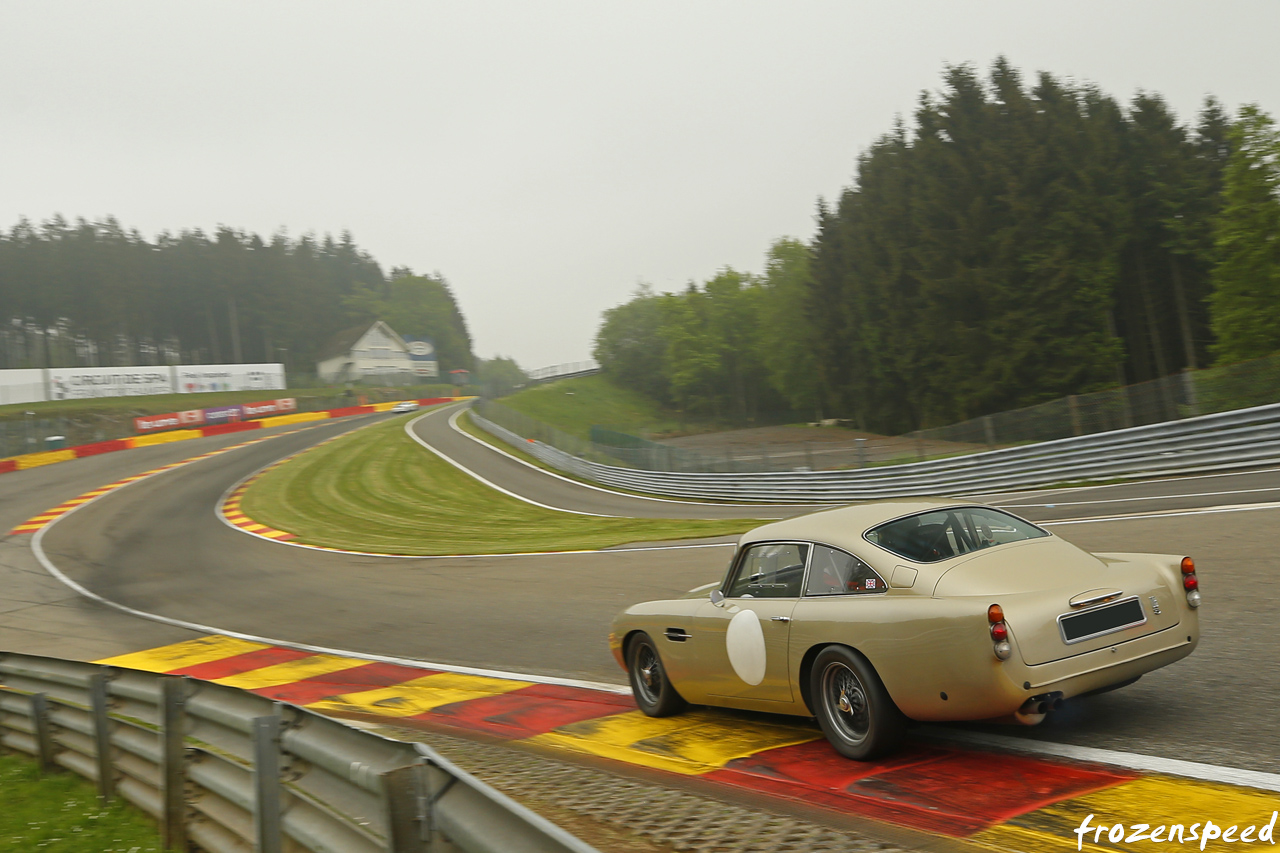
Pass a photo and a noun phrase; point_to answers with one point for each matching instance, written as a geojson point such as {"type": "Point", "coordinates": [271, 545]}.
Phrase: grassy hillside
{"type": "Point", "coordinates": [575, 405]}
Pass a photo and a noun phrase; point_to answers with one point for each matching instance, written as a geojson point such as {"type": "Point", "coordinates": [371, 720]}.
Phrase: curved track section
{"type": "Point", "coordinates": [437, 431]}
{"type": "Point", "coordinates": [158, 547]}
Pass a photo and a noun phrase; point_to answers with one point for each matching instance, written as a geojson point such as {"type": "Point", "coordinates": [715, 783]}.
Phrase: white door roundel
{"type": "Point", "coordinates": [745, 642]}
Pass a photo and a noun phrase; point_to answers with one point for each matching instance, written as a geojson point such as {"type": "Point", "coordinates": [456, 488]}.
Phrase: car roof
{"type": "Point", "coordinates": [844, 526]}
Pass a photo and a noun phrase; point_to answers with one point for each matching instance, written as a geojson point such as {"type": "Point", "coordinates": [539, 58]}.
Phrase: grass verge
{"type": "Point", "coordinates": [575, 405]}
{"type": "Point", "coordinates": [377, 490]}
{"type": "Point", "coordinates": [61, 813]}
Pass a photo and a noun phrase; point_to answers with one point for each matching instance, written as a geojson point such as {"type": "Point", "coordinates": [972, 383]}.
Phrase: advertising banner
{"type": "Point", "coordinates": [269, 407]}
{"type": "Point", "coordinates": [77, 383]}
{"type": "Point", "coordinates": [199, 378]}
{"type": "Point", "coordinates": [173, 420]}
{"type": "Point", "coordinates": [214, 416]}
{"type": "Point", "coordinates": [422, 357]}
{"type": "Point", "coordinates": [223, 414]}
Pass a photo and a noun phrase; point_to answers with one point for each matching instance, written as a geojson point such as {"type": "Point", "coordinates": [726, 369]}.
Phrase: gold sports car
{"type": "Point", "coordinates": [873, 615]}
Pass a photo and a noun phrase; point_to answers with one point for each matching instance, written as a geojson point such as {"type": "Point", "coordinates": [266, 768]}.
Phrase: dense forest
{"type": "Point", "coordinates": [1015, 244]}
{"type": "Point", "coordinates": [92, 293]}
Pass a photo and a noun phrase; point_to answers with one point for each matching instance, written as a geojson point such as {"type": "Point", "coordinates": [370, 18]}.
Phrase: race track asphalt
{"type": "Point", "coordinates": [157, 546]}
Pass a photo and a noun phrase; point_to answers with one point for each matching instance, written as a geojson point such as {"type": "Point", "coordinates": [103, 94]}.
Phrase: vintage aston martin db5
{"type": "Point", "coordinates": [874, 615]}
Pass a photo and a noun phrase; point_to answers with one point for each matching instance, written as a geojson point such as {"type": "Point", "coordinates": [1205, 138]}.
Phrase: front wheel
{"type": "Point", "coordinates": [852, 706]}
{"type": "Point", "coordinates": [653, 691]}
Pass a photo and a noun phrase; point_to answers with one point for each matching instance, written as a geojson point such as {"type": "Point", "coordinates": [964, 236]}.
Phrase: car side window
{"type": "Point", "coordinates": [833, 572]}
{"type": "Point", "coordinates": [770, 570]}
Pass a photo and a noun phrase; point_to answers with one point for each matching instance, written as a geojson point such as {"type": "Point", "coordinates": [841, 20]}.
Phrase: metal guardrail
{"type": "Point", "coordinates": [224, 770]}
{"type": "Point", "coordinates": [563, 371]}
{"type": "Point", "coordinates": [1242, 438]}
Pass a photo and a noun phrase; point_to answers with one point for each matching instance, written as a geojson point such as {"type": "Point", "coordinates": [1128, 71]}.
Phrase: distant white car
{"type": "Point", "coordinates": [406, 406]}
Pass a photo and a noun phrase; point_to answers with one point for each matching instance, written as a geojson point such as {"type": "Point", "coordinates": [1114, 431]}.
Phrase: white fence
{"type": "Point", "coordinates": [1238, 439]}
{"type": "Point", "coordinates": [71, 383]}
{"type": "Point", "coordinates": [223, 770]}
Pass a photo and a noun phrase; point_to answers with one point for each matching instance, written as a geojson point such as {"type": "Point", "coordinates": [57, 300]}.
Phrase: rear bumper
{"type": "Point", "coordinates": [1102, 667]}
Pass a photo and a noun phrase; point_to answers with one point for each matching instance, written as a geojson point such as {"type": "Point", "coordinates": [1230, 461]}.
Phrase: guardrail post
{"type": "Point", "coordinates": [266, 785]}
{"type": "Point", "coordinates": [1189, 391]}
{"type": "Point", "coordinates": [102, 735]}
{"type": "Point", "coordinates": [42, 731]}
{"type": "Point", "coordinates": [173, 826]}
{"type": "Point", "coordinates": [409, 805]}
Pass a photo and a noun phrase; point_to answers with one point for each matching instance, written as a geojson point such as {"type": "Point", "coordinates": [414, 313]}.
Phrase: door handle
{"type": "Point", "coordinates": [779, 618]}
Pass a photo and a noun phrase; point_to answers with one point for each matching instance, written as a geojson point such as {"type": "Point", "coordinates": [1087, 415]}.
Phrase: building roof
{"type": "Point", "coordinates": [343, 342]}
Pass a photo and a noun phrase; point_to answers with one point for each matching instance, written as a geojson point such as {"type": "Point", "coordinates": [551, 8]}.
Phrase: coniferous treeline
{"type": "Point", "coordinates": [1019, 243]}
{"type": "Point", "coordinates": [93, 293]}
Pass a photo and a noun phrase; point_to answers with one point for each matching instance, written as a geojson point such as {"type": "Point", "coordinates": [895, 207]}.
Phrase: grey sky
{"type": "Point", "coordinates": [544, 156]}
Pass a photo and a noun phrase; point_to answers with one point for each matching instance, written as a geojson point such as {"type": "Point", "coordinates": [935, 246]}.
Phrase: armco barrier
{"type": "Point", "coordinates": [1223, 441]}
{"type": "Point", "coordinates": [35, 460]}
{"type": "Point", "coordinates": [224, 770]}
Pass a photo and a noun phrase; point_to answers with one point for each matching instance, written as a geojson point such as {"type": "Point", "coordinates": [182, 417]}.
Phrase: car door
{"type": "Point", "coordinates": [743, 640]}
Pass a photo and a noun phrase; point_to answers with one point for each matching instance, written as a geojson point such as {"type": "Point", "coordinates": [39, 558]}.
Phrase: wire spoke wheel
{"type": "Point", "coordinates": [648, 673]}
{"type": "Point", "coordinates": [853, 708]}
{"type": "Point", "coordinates": [846, 701]}
{"type": "Point", "coordinates": [654, 694]}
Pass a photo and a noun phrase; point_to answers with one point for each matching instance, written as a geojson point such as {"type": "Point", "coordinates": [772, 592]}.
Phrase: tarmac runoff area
{"type": "Point", "coordinates": [997, 799]}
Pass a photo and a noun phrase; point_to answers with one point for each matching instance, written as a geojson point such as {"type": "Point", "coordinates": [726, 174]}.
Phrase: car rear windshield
{"type": "Point", "coordinates": [938, 535]}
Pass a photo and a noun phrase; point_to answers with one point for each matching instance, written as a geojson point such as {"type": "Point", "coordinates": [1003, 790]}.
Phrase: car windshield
{"type": "Point", "coordinates": [932, 536]}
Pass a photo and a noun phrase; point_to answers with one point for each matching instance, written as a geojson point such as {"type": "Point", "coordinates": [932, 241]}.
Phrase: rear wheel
{"type": "Point", "coordinates": [852, 706]}
{"type": "Point", "coordinates": [653, 691]}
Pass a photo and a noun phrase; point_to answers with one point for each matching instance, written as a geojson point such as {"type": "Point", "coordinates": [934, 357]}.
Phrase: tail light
{"type": "Point", "coordinates": [1190, 582]}
{"type": "Point", "coordinates": [999, 632]}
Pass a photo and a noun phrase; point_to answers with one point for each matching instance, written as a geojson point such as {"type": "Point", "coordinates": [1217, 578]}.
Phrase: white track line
{"type": "Point", "coordinates": [37, 547]}
{"type": "Point", "coordinates": [1208, 510]}
{"type": "Point", "coordinates": [453, 422]}
{"type": "Point", "coordinates": [1142, 498]}
{"type": "Point", "coordinates": [1128, 483]}
{"type": "Point", "coordinates": [1130, 760]}
{"type": "Point", "coordinates": [408, 428]}
{"type": "Point", "coordinates": [1137, 761]}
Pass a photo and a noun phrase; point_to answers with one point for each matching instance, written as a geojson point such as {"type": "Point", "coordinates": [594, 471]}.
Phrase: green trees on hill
{"type": "Point", "coordinates": [112, 297]}
{"type": "Point", "coordinates": [1019, 242]}
{"type": "Point", "coordinates": [1246, 296]}
{"type": "Point", "coordinates": [731, 348]}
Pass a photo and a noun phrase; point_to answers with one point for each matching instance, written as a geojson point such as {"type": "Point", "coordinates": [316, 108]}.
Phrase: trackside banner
{"type": "Point", "coordinates": [271, 407]}
{"type": "Point", "coordinates": [200, 378]}
{"type": "Point", "coordinates": [37, 385]}
{"type": "Point", "coordinates": [215, 415]}
{"type": "Point", "coordinates": [77, 383]}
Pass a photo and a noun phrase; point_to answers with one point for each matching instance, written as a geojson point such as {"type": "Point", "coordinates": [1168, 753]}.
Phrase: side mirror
{"type": "Point", "coordinates": [717, 597]}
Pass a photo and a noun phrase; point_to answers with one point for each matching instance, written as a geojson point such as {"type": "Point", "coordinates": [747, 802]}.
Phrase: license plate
{"type": "Point", "coordinates": [1078, 627]}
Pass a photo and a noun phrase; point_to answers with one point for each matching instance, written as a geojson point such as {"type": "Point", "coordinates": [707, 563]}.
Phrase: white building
{"type": "Point", "coordinates": [366, 354]}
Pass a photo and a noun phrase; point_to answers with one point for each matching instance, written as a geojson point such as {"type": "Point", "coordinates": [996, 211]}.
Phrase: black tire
{"type": "Point", "coordinates": [649, 683]}
{"type": "Point", "coordinates": [853, 708]}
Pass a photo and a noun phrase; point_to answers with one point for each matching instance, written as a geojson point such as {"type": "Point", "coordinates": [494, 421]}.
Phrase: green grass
{"type": "Point", "coordinates": [575, 405]}
{"type": "Point", "coordinates": [378, 490]}
{"type": "Point", "coordinates": [61, 813]}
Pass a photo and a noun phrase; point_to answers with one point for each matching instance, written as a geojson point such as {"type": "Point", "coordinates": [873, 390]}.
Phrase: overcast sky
{"type": "Point", "coordinates": [545, 157]}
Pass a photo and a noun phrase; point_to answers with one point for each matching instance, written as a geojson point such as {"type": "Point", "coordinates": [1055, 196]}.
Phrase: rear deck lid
{"type": "Point", "coordinates": [1060, 601]}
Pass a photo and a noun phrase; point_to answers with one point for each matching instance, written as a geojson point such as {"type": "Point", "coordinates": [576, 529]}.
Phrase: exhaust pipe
{"type": "Point", "coordinates": [1035, 709]}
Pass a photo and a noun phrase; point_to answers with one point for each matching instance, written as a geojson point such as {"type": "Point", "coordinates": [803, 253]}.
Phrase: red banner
{"type": "Point", "coordinates": [172, 420]}
{"type": "Point", "coordinates": [269, 407]}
